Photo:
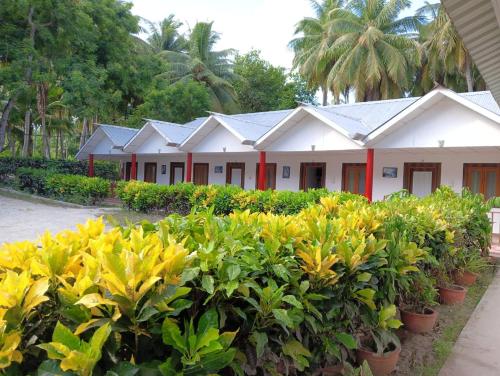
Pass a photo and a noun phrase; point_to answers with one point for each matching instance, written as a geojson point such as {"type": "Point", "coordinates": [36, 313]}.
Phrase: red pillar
{"type": "Point", "coordinates": [262, 171]}
{"type": "Point", "coordinates": [91, 165]}
{"type": "Point", "coordinates": [133, 168]}
{"type": "Point", "coordinates": [369, 174]}
{"type": "Point", "coordinates": [189, 166]}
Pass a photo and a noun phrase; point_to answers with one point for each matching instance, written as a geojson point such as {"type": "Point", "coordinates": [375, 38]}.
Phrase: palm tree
{"type": "Point", "coordinates": [166, 37]}
{"type": "Point", "coordinates": [201, 63]}
{"type": "Point", "coordinates": [448, 58]}
{"type": "Point", "coordinates": [376, 52]}
{"type": "Point", "coordinates": [312, 44]}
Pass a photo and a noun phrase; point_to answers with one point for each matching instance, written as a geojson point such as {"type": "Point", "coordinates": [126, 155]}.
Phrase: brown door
{"type": "Point", "coordinates": [176, 172]}
{"type": "Point", "coordinates": [312, 175]}
{"type": "Point", "coordinates": [354, 177]}
{"type": "Point", "coordinates": [150, 172]}
{"type": "Point", "coordinates": [421, 179]}
{"type": "Point", "coordinates": [128, 168]}
{"type": "Point", "coordinates": [270, 176]}
{"type": "Point", "coordinates": [200, 173]}
{"type": "Point", "coordinates": [235, 174]}
{"type": "Point", "coordinates": [483, 178]}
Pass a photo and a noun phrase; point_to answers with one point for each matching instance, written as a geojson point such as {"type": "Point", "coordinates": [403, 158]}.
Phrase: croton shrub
{"type": "Point", "coordinates": [247, 293]}
{"type": "Point", "coordinates": [182, 198]}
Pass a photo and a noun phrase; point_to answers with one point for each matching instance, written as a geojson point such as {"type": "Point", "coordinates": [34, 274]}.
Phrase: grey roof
{"type": "Point", "coordinates": [196, 122]}
{"type": "Point", "coordinates": [252, 126]}
{"type": "Point", "coordinates": [172, 131]}
{"type": "Point", "coordinates": [119, 136]}
{"type": "Point", "coordinates": [483, 99]}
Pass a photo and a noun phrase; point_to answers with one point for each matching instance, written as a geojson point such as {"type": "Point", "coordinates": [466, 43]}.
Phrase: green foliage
{"type": "Point", "coordinates": [179, 103]}
{"type": "Point", "coordinates": [71, 188]}
{"type": "Point", "coordinates": [182, 198]}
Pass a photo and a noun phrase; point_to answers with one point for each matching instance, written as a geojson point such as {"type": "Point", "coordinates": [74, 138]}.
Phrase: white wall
{"type": "Point", "coordinates": [160, 160]}
{"type": "Point", "coordinates": [311, 131]}
{"type": "Point", "coordinates": [105, 147]}
{"type": "Point", "coordinates": [446, 120]}
{"type": "Point", "coordinates": [154, 143]}
{"type": "Point", "coordinates": [219, 138]}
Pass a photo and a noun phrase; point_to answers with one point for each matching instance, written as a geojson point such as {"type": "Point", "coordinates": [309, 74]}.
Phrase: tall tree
{"type": "Point", "coordinates": [312, 45]}
{"type": "Point", "coordinates": [201, 63]}
{"type": "Point", "coordinates": [376, 52]}
{"type": "Point", "coordinates": [166, 37]}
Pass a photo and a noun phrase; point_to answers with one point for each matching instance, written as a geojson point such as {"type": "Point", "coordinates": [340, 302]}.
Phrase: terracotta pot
{"type": "Point", "coordinates": [419, 322]}
{"type": "Point", "coordinates": [465, 278]}
{"type": "Point", "coordinates": [380, 365]}
{"type": "Point", "coordinates": [454, 294]}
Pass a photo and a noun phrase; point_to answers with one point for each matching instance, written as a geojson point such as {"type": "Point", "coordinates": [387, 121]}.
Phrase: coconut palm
{"type": "Point", "coordinates": [376, 52]}
{"type": "Point", "coordinates": [311, 46]}
{"type": "Point", "coordinates": [448, 59]}
{"type": "Point", "coordinates": [201, 63]}
{"type": "Point", "coordinates": [165, 36]}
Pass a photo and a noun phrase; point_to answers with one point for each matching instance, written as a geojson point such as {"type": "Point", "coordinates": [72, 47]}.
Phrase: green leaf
{"type": "Point", "coordinates": [260, 341]}
{"type": "Point", "coordinates": [347, 340]}
{"type": "Point", "coordinates": [210, 319]}
{"type": "Point", "coordinates": [281, 271]}
{"type": "Point", "coordinates": [282, 317]}
{"type": "Point", "coordinates": [124, 369]}
{"type": "Point", "coordinates": [230, 287]}
{"type": "Point", "coordinates": [292, 300]}
{"type": "Point", "coordinates": [171, 335]}
{"type": "Point", "coordinates": [51, 368]}
{"type": "Point", "coordinates": [364, 277]}
{"type": "Point", "coordinates": [189, 274]}
{"type": "Point", "coordinates": [179, 305]}
{"type": "Point", "coordinates": [167, 368]}
{"type": "Point", "coordinates": [207, 282]}
{"type": "Point", "coordinates": [205, 338]}
{"type": "Point", "coordinates": [64, 336]}
{"type": "Point", "coordinates": [366, 296]}
{"type": "Point", "coordinates": [99, 338]}
{"type": "Point", "coordinates": [233, 271]}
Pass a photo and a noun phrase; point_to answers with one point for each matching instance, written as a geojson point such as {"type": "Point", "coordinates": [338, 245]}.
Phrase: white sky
{"type": "Point", "coordinates": [266, 25]}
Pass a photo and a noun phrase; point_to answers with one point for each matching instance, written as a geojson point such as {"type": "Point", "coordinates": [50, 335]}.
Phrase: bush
{"type": "Point", "coordinates": [72, 188]}
{"type": "Point", "coordinates": [103, 169]}
{"type": "Point", "coordinates": [183, 197]}
{"type": "Point", "coordinates": [203, 294]}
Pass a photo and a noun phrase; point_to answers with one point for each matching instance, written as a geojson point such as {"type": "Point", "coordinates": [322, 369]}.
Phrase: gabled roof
{"type": "Point", "coordinates": [118, 136]}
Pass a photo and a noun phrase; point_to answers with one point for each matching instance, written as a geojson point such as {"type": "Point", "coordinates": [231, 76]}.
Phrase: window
{"type": "Point", "coordinates": [150, 172]}
{"type": "Point", "coordinates": [176, 172]}
{"type": "Point", "coordinates": [483, 178]}
{"type": "Point", "coordinates": [421, 179]}
{"type": "Point", "coordinates": [235, 174]}
{"type": "Point", "coordinates": [354, 177]}
{"type": "Point", "coordinates": [270, 176]}
{"type": "Point", "coordinates": [200, 173]}
{"type": "Point", "coordinates": [312, 175]}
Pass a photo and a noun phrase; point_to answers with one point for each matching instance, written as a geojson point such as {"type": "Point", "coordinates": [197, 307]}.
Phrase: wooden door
{"type": "Point", "coordinates": [235, 174]}
{"type": "Point", "coordinates": [483, 178]}
{"type": "Point", "coordinates": [421, 179]}
{"type": "Point", "coordinates": [270, 176]}
{"type": "Point", "coordinates": [150, 172]}
{"type": "Point", "coordinates": [128, 168]}
{"type": "Point", "coordinates": [312, 175]}
{"type": "Point", "coordinates": [354, 177]}
{"type": "Point", "coordinates": [200, 173]}
{"type": "Point", "coordinates": [176, 172]}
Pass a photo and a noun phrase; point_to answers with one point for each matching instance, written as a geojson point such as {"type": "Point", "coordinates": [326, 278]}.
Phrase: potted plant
{"type": "Point", "coordinates": [416, 304]}
{"type": "Point", "coordinates": [381, 347]}
{"type": "Point", "coordinates": [449, 292]}
{"type": "Point", "coordinates": [469, 265]}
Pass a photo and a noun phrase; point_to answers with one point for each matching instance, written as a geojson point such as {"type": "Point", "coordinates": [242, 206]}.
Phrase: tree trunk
{"type": "Point", "coordinates": [12, 141]}
{"type": "Point", "coordinates": [83, 135]}
{"type": "Point", "coordinates": [4, 120]}
{"type": "Point", "coordinates": [41, 101]}
{"type": "Point", "coordinates": [61, 143]}
{"type": "Point", "coordinates": [468, 73]}
{"type": "Point", "coordinates": [27, 131]}
{"type": "Point", "coordinates": [324, 89]}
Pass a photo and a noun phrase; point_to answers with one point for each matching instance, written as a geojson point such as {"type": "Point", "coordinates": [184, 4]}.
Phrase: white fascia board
{"type": "Point", "coordinates": [206, 124]}
{"type": "Point", "coordinates": [441, 92]}
{"type": "Point", "coordinates": [278, 126]}
{"type": "Point", "coordinates": [129, 148]}
{"type": "Point", "coordinates": [91, 139]}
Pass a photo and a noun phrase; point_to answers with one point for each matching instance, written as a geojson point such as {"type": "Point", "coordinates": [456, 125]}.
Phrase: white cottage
{"type": "Point", "coordinates": [372, 148]}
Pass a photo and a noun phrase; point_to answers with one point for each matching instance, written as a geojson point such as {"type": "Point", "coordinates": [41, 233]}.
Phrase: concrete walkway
{"type": "Point", "coordinates": [23, 218]}
{"type": "Point", "coordinates": [476, 351]}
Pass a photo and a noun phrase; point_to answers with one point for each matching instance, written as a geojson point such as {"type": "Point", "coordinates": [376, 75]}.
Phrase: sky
{"type": "Point", "coordinates": [266, 25]}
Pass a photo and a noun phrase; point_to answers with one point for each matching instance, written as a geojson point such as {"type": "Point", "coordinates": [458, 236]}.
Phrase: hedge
{"type": "Point", "coordinates": [183, 197]}
{"type": "Point", "coordinates": [71, 188]}
{"type": "Point", "coordinates": [247, 293]}
{"type": "Point", "coordinates": [102, 169]}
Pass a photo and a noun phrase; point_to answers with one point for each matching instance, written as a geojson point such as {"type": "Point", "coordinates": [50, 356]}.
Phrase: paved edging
{"type": "Point", "coordinates": [476, 350]}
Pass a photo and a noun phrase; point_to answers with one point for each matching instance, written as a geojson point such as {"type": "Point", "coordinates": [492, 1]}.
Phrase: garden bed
{"type": "Point", "coordinates": [425, 354]}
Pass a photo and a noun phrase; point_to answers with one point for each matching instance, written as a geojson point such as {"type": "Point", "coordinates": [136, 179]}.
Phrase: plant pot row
{"type": "Point", "coordinates": [418, 323]}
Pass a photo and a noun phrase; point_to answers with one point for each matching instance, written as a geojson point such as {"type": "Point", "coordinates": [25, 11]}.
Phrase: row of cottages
{"type": "Point", "coordinates": [373, 148]}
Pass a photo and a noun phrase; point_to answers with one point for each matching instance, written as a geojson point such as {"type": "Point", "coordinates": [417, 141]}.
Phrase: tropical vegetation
{"type": "Point", "coordinates": [239, 294]}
